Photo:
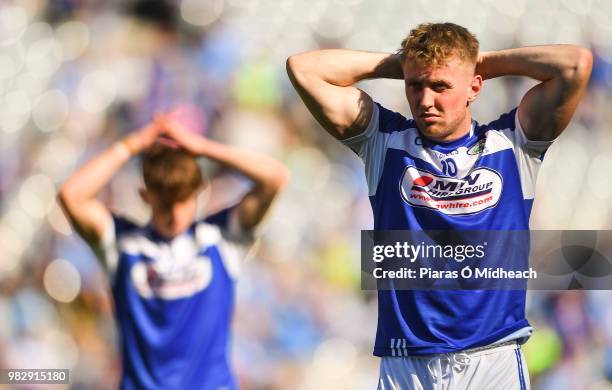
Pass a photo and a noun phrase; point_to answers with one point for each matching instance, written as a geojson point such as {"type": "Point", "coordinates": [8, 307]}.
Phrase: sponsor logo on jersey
{"type": "Point", "coordinates": [478, 191]}
{"type": "Point", "coordinates": [151, 281]}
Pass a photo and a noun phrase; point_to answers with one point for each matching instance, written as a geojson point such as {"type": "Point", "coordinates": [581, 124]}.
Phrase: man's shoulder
{"type": "Point", "coordinates": [144, 241]}
{"type": "Point", "coordinates": [124, 225]}
{"type": "Point", "coordinates": [390, 121]}
{"type": "Point", "coordinates": [207, 233]}
{"type": "Point", "coordinates": [506, 121]}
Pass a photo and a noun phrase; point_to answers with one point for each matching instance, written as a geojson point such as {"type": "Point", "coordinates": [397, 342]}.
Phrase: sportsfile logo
{"type": "Point", "coordinates": [476, 192]}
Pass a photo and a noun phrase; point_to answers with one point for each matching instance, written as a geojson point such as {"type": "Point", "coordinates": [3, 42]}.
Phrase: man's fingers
{"type": "Point", "coordinates": [168, 142]}
{"type": "Point", "coordinates": [160, 121]}
{"type": "Point", "coordinates": [164, 120]}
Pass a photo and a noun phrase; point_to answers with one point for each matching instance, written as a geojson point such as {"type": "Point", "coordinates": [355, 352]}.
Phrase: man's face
{"type": "Point", "coordinates": [171, 219]}
{"type": "Point", "coordinates": [438, 97]}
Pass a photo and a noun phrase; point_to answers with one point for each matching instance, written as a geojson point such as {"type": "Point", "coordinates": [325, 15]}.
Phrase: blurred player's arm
{"type": "Point", "coordinates": [563, 70]}
{"type": "Point", "coordinates": [77, 195]}
{"type": "Point", "coordinates": [268, 175]}
{"type": "Point", "coordinates": [324, 80]}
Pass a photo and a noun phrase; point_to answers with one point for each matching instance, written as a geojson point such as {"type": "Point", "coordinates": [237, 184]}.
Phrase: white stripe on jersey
{"type": "Point", "coordinates": [108, 254]}
{"type": "Point", "coordinates": [231, 253]}
{"type": "Point", "coordinates": [372, 152]}
{"type": "Point", "coordinates": [137, 244]}
{"type": "Point", "coordinates": [528, 156]}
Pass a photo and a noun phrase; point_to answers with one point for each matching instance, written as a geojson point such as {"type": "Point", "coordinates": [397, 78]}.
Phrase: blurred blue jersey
{"type": "Point", "coordinates": [482, 181]}
{"type": "Point", "coordinates": [174, 301]}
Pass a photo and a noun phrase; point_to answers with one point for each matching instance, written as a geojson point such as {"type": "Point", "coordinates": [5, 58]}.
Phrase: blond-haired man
{"type": "Point", "coordinates": [443, 170]}
{"type": "Point", "coordinates": [172, 279]}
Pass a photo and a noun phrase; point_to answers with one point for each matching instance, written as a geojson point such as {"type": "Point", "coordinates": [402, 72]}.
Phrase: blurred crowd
{"type": "Point", "coordinates": [77, 75]}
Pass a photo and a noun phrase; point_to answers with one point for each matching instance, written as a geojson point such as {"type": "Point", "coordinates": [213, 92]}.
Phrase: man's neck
{"type": "Point", "coordinates": [461, 130]}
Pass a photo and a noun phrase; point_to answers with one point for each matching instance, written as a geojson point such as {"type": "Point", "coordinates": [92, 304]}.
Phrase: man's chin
{"type": "Point", "coordinates": [432, 131]}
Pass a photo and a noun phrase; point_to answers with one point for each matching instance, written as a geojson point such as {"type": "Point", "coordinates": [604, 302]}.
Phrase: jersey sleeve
{"type": "Point", "coordinates": [108, 252]}
{"type": "Point", "coordinates": [228, 223]}
{"type": "Point", "coordinates": [234, 242]}
{"type": "Point", "coordinates": [529, 154]}
{"type": "Point", "coordinates": [371, 144]}
{"type": "Point", "coordinates": [535, 148]}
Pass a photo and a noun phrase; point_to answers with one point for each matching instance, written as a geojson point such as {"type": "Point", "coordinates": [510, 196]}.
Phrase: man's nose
{"type": "Point", "coordinates": [426, 98]}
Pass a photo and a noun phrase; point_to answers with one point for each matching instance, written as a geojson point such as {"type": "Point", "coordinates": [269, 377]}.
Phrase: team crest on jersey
{"type": "Point", "coordinates": [478, 191]}
{"type": "Point", "coordinates": [478, 148]}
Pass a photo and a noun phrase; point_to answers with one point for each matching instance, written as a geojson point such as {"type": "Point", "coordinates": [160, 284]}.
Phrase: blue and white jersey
{"type": "Point", "coordinates": [482, 181]}
{"type": "Point", "coordinates": [174, 301]}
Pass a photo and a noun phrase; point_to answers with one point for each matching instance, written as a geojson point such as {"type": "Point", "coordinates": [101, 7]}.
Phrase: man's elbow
{"type": "Point", "coordinates": [293, 66]}
{"type": "Point", "coordinates": [295, 62]}
{"type": "Point", "coordinates": [582, 64]}
{"type": "Point", "coordinates": [277, 180]}
{"type": "Point", "coordinates": [281, 178]}
{"type": "Point", "coordinates": [65, 197]}
{"type": "Point", "coordinates": [300, 67]}
{"type": "Point", "coordinates": [290, 64]}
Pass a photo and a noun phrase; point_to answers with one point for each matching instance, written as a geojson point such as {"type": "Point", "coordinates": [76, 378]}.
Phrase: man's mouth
{"type": "Point", "coordinates": [429, 118]}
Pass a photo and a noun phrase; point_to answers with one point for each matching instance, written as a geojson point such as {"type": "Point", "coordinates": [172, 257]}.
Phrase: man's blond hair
{"type": "Point", "coordinates": [433, 44]}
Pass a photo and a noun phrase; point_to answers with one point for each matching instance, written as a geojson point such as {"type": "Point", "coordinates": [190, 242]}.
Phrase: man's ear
{"type": "Point", "coordinates": [475, 88]}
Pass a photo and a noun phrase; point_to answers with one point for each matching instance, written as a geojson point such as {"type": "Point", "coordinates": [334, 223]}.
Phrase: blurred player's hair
{"type": "Point", "coordinates": [173, 174]}
{"type": "Point", "coordinates": [433, 44]}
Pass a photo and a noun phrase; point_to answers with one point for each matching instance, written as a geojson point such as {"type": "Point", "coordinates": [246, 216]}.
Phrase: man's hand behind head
{"type": "Point", "coordinates": [173, 130]}
{"type": "Point", "coordinates": [142, 139]}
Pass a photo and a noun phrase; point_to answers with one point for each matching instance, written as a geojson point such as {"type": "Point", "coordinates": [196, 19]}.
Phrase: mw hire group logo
{"type": "Point", "coordinates": [478, 191]}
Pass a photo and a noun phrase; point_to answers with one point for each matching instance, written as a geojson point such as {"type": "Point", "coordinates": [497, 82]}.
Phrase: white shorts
{"type": "Point", "coordinates": [501, 367]}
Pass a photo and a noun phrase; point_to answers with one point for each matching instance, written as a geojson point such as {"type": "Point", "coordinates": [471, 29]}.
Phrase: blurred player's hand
{"type": "Point", "coordinates": [171, 128]}
{"type": "Point", "coordinates": [142, 138]}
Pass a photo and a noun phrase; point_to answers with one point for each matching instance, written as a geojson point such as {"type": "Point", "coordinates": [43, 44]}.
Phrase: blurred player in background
{"type": "Point", "coordinates": [173, 279]}
{"type": "Point", "coordinates": [446, 339]}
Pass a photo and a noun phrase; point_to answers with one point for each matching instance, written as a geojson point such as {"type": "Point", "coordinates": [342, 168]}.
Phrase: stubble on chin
{"type": "Point", "coordinates": [436, 132]}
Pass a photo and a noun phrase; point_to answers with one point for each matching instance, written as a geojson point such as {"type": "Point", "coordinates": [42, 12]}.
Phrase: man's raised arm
{"type": "Point", "coordinates": [78, 194]}
{"type": "Point", "coordinates": [563, 70]}
{"type": "Point", "coordinates": [268, 175]}
{"type": "Point", "coordinates": [324, 80]}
